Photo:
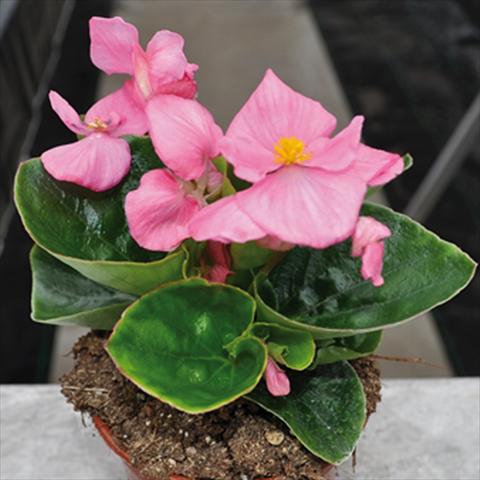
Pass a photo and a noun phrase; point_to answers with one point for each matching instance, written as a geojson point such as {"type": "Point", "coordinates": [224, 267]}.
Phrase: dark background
{"type": "Point", "coordinates": [412, 67]}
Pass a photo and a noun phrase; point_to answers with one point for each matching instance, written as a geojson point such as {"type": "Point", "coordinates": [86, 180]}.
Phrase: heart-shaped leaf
{"type": "Point", "coordinates": [347, 348]}
{"type": "Point", "coordinates": [187, 344]}
{"type": "Point", "coordinates": [322, 291]}
{"type": "Point", "coordinates": [88, 230]}
{"type": "Point", "coordinates": [291, 347]}
{"type": "Point", "coordinates": [62, 296]}
{"type": "Point", "coordinates": [325, 409]}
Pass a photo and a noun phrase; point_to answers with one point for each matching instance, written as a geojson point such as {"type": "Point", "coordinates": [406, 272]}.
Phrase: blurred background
{"type": "Point", "coordinates": [412, 67]}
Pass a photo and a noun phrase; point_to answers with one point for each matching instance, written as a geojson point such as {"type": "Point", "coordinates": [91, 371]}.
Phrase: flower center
{"type": "Point", "coordinates": [290, 150]}
{"type": "Point", "coordinates": [97, 124]}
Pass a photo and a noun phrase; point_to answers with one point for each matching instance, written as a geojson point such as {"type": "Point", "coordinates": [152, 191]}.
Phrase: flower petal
{"type": "Point", "coordinates": [367, 231]}
{"type": "Point", "coordinates": [142, 86]}
{"type": "Point", "coordinates": [220, 260]}
{"type": "Point", "coordinates": [378, 167]}
{"type": "Point", "coordinates": [218, 253]}
{"type": "Point", "coordinates": [111, 44]}
{"type": "Point", "coordinates": [67, 113]}
{"type": "Point", "coordinates": [251, 160]}
{"type": "Point", "coordinates": [166, 59]}
{"type": "Point", "coordinates": [184, 134]}
{"type": "Point", "coordinates": [274, 243]}
{"type": "Point", "coordinates": [158, 212]}
{"type": "Point", "coordinates": [277, 381]}
{"type": "Point", "coordinates": [224, 222]}
{"type": "Point", "coordinates": [98, 162]}
{"type": "Point", "coordinates": [273, 111]}
{"type": "Point", "coordinates": [305, 206]}
{"type": "Point", "coordinates": [372, 263]}
{"type": "Point", "coordinates": [120, 104]}
{"type": "Point", "coordinates": [186, 87]}
{"type": "Point", "coordinates": [339, 152]}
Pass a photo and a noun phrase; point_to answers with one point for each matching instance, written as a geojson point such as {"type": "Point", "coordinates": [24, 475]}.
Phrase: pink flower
{"type": "Point", "coordinates": [277, 381]}
{"type": "Point", "coordinates": [377, 167]}
{"type": "Point", "coordinates": [276, 244]}
{"type": "Point", "coordinates": [160, 69]}
{"type": "Point", "coordinates": [101, 159]}
{"type": "Point", "coordinates": [224, 222]}
{"type": "Point", "coordinates": [159, 211]}
{"type": "Point", "coordinates": [185, 136]}
{"type": "Point", "coordinates": [307, 187]}
{"type": "Point", "coordinates": [367, 242]}
{"type": "Point", "coordinates": [217, 255]}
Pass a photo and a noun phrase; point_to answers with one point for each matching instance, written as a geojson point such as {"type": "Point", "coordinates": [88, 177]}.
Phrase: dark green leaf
{"type": "Point", "coordinates": [88, 230]}
{"type": "Point", "coordinates": [62, 296]}
{"type": "Point", "coordinates": [347, 348]}
{"type": "Point", "coordinates": [325, 409]}
{"type": "Point", "coordinates": [407, 162]}
{"type": "Point", "coordinates": [322, 291]}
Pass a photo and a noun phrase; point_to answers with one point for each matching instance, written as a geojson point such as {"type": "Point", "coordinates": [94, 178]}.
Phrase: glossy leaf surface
{"type": "Point", "coordinates": [62, 296]}
{"type": "Point", "coordinates": [325, 409]}
{"type": "Point", "coordinates": [184, 344]}
{"type": "Point", "coordinates": [347, 348]}
{"type": "Point", "coordinates": [291, 347]}
{"type": "Point", "coordinates": [322, 291]}
{"type": "Point", "coordinates": [88, 230]}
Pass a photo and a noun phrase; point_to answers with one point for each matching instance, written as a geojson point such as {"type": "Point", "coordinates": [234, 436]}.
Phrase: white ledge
{"type": "Point", "coordinates": [423, 430]}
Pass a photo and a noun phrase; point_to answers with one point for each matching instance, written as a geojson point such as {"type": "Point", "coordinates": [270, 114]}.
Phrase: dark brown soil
{"type": "Point", "coordinates": [235, 442]}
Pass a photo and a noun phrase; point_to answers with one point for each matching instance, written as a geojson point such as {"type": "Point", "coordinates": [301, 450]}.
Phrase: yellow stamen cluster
{"type": "Point", "coordinates": [290, 150]}
{"type": "Point", "coordinates": [97, 124]}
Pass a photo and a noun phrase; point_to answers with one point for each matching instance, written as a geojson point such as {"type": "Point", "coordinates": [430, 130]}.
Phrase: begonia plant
{"type": "Point", "coordinates": [240, 264]}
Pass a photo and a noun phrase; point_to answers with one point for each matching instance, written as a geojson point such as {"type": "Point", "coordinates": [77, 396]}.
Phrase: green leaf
{"type": "Point", "coordinates": [222, 167]}
{"type": "Point", "coordinates": [187, 344]}
{"type": "Point", "coordinates": [321, 291]}
{"type": "Point", "coordinates": [88, 230]}
{"type": "Point", "coordinates": [192, 264]}
{"type": "Point", "coordinates": [62, 296]}
{"type": "Point", "coordinates": [249, 255]}
{"type": "Point", "coordinates": [407, 162]}
{"type": "Point", "coordinates": [293, 348]}
{"type": "Point", "coordinates": [242, 279]}
{"type": "Point", "coordinates": [347, 348]}
{"type": "Point", "coordinates": [238, 183]}
{"type": "Point", "coordinates": [325, 409]}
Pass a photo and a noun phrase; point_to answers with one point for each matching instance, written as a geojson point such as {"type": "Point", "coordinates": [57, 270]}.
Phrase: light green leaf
{"type": "Point", "coordinates": [222, 167]}
{"type": "Point", "coordinates": [62, 296]}
{"type": "Point", "coordinates": [293, 348]}
{"type": "Point", "coordinates": [325, 409]}
{"type": "Point", "coordinates": [88, 230]}
{"type": "Point", "coordinates": [187, 344]}
{"type": "Point", "coordinates": [249, 255]}
{"type": "Point", "coordinates": [321, 291]}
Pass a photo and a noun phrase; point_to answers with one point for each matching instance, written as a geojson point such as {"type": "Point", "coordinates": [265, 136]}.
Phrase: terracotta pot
{"type": "Point", "coordinates": [134, 474]}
